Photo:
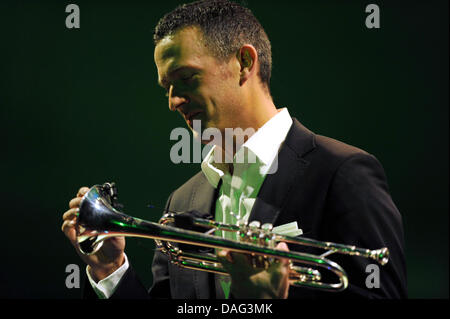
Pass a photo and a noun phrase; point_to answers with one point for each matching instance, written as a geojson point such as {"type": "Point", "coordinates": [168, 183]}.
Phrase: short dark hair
{"type": "Point", "coordinates": [226, 26]}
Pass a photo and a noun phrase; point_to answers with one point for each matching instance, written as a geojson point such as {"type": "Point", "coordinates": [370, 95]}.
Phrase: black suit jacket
{"type": "Point", "coordinates": [334, 191]}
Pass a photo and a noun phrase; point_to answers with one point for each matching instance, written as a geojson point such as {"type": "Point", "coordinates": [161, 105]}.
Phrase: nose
{"type": "Point", "coordinates": [175, 100]}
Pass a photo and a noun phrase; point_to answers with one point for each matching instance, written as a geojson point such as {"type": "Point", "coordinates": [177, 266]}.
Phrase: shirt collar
{"type": "Point", "coordinates": [265, 144]}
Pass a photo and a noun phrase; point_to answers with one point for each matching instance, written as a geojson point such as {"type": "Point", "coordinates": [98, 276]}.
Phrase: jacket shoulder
{"type": "Point", "coordinates": [308, 145]}
{"type": "Point", "coordinates": [336, 149]}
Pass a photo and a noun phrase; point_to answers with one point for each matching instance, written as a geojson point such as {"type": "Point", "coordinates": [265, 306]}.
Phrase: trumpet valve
{"type": "Point", "coordinates": [256, 234]}
{"type": "Point", "coordinates": [267, 227]}
{"type": "Point", "coordinates": [255, 224]}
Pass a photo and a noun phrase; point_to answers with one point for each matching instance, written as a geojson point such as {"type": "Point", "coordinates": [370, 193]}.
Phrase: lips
{"type": "Point", "coordinates": [189, 117]}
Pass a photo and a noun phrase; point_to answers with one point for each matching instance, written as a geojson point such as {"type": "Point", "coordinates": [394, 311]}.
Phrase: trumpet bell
{"type": "Point", "coordinates": [98, 219]}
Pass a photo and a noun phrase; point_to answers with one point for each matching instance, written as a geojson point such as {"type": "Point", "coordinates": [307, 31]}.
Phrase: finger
{"type": "Point", "coordinates": [82, 191]}
{"type": "Point", "coordinates": [241, 259]}
{"type": "Point", "coordinates": [67, 226]}
{"type": "Point", "coordinates": [225, 254]}
{"type": "Point", "coordinates": [75, 202]}
{"type": "Point", "coordinates": [283, 246]}
{"type": "Point", "coordinates": [71, 213]}
{"type": "Point", "coordinates": [284, 283]}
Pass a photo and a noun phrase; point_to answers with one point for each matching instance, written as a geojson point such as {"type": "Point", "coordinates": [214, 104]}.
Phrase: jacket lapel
{"type": "Point", "coordinates": [203, 199]}
{"type": "Point", "coordinates": [197, 195]}
{"type": "Point", "coordinates": [203, 202]}
{"type": "Point", "coordinates": [277, 187]}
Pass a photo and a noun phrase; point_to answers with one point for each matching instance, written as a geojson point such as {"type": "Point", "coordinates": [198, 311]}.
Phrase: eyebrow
{"type": "Point", "coordinates": [163, 82]}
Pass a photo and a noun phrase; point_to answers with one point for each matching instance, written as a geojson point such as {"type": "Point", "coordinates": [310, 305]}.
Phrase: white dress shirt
{"type": "Point", "coordinates": [240, 186]}
{"type": "Point", "coordinates": [106, 287]}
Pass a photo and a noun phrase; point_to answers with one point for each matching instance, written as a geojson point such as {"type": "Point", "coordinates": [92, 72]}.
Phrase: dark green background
{"type": "Point", "coordinates": [81, 107]}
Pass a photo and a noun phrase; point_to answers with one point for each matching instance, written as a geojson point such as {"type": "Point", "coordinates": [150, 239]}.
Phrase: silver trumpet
{"type": "Point", "coordinates": [100, 217]}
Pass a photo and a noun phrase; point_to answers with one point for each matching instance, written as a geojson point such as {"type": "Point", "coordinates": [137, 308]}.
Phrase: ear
{"type": "Point", "coordinates": [248, 58]}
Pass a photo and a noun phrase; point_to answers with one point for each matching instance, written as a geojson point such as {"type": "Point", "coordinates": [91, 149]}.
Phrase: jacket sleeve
{"type": "Point", "coordinates": [361, 212]}
{"type": "Point", "coordinates": [160, 269]}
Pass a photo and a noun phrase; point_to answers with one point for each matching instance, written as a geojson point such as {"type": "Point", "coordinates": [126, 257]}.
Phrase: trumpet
{"type": "Point", "coordinates": [100, 217]}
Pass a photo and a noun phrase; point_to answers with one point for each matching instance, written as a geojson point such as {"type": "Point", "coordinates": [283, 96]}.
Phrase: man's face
{"type": "Point", "coordinates": [198, 85]}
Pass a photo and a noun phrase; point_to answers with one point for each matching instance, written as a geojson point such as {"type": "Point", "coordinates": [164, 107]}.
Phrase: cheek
{"type": "Point", "coordinates": [231, 101]}
{"type": "Point", "coordinates": [221, 99]}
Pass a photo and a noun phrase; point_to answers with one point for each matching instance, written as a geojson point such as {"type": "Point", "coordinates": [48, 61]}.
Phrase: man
{"type": "Point", "coordinates": [214, 61]}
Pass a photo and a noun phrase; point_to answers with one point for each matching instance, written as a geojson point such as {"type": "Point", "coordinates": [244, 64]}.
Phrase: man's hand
{"type": "Point", "coordinates": [109, 258]}
{"type": "Point", "coordinates": [248, 281]}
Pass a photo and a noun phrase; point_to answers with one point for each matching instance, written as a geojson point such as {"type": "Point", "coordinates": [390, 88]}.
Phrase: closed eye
{"type": "Point", "coordinates": [187, 78]}
{"type": "Point", "coordinates": [183, 82]}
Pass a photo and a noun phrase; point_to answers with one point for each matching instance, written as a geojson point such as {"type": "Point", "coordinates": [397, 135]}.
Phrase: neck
{"type": "Point", "coordinates": [259, 106]}
{"type": "Point", "coordinates": [258, 110]}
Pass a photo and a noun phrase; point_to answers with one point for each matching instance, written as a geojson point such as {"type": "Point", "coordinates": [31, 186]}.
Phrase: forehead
{"type": "Point", "coordinates": [185, 48]}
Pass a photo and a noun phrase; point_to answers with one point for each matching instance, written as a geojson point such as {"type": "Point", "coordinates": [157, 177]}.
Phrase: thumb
{"type": "Point", "coordinates": [225, 254]}
{"type": "Point", "coordinates": [283, 246]}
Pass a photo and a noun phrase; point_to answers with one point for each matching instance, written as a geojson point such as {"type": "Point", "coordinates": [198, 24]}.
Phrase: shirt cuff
{"type": "Point", "coordinates": [106, 287]}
